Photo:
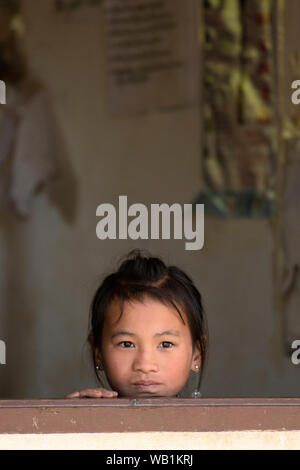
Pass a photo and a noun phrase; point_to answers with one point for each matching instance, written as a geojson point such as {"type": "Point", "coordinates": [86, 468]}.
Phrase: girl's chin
{"type": "Point", "coordinates": [140, 395]}
{"type": "Point", "coordinates": [146, 394]}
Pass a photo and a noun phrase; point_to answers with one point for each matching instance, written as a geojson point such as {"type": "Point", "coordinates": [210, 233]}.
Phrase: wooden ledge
{"type": "Point", "coordinates": [87, 402]}
{"type": "Point", "coordinates": [152, 414]}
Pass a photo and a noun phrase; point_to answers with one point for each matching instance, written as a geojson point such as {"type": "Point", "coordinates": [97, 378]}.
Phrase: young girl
{"type": "Point", "coordinates": [147, 331]}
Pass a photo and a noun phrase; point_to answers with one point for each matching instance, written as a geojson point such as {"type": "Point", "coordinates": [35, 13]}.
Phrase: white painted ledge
{"type": "Point", "coordinates": [233, 440]}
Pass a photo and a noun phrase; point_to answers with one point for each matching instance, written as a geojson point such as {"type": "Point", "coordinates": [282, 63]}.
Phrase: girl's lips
{"type": "Point", "coordinates": [144, 382]}
{"type": "Point", "coordinates": [146, 386]}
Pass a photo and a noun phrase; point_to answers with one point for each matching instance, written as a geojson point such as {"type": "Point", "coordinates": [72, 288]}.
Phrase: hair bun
{"type": "Point", "coordinates": [142, 267]}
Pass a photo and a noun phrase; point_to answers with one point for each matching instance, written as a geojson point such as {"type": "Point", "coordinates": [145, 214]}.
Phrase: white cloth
{"type": "Point", "coordinates": [34, 157]}
{"type": "Point", "coordinates": [30, 147]}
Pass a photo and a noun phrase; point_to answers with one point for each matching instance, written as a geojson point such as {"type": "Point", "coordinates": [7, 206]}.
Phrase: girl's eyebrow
{"type": "Point", "coordinates": [163, 333]}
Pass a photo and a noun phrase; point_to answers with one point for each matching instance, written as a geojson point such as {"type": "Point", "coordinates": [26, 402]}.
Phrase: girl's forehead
{"type": "Point", "coordinates": [147, 311]}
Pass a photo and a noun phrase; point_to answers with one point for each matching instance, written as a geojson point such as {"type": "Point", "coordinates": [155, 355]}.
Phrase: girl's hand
{"type": "Point", "coordinates": [93, 393]}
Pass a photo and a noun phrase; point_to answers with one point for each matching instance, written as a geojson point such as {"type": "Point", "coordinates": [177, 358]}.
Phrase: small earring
{"type": "Point", "coordinates": [196, 393]}
{"type": "Point", "coordinates": [97, 367]}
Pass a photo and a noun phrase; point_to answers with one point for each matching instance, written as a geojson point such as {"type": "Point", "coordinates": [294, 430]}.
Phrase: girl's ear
{"type": "Point", "coordinates": [196, 359]}
{"type": "Point", "coordinates": [98, 359]}
{"type": "Point", "coordinates": [95, 351]}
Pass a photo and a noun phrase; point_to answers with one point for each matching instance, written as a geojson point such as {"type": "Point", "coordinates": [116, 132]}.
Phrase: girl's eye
{"type": "Point", "coordinates": [129, 344]}
{"type": "Point", "coordinates": [126, 344]}
{"type": "Point", "coordinates": [167, 344]}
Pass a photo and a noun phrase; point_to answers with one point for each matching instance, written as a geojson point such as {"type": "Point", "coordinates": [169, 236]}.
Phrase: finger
{"type": "Point", "coordinates": [108, 393]}
{"type": "Point", "coordinates": [72, 395]}
{"type": "Point", "coordinates": [97, 393]}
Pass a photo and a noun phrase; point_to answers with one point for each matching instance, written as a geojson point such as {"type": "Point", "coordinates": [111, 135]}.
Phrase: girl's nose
{"type": "Point", "coordinates": [145, 362]}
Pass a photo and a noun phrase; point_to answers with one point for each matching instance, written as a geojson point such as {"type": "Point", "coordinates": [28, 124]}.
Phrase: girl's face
{"type": "Point", "coordinates": [148, 351]}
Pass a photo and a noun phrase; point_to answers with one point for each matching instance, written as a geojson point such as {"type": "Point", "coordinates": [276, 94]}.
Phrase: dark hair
{"type": "Point", "coordinates": [139, 276]}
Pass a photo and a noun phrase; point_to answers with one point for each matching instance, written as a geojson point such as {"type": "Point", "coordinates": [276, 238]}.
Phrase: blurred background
{"type": "Point", "coordinates": [164, 101]}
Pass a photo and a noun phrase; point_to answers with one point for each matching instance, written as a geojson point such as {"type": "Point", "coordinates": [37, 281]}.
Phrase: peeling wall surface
{"type": "Point", "coordinates": [52, 262]}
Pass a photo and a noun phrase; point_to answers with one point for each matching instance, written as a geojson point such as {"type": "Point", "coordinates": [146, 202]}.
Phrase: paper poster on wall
{"type": "Point", "coordinates": [152, 54]}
